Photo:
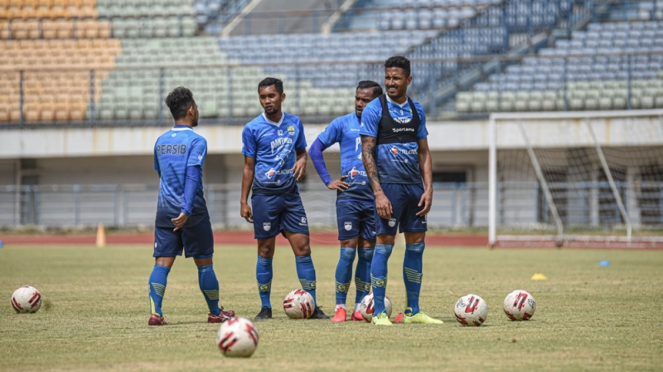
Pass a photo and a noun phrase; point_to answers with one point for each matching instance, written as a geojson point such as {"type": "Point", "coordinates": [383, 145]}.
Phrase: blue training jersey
{"type": "Point", "coordinates": [174, 151]}
{"type": "Point", "coordinates": [397, 162]}
{"type": "Point", "coordinates": [345, 131]}
{"type": "Point", "coordinates": [273, 146]}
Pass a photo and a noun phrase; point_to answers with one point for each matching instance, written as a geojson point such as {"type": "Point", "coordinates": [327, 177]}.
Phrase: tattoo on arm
{"type": "Point", "coordinates": [367, 151]}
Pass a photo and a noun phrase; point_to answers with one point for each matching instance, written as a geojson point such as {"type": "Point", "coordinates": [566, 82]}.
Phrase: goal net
{"type": "Point", "coordinates": [584, 179]}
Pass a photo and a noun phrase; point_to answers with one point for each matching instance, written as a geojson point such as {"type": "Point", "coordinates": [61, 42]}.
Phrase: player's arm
{"type": "Point", "coordinates": [318, 160]}
{"type": "Point", "coordinates": [247, 181]}
{"type": "Point", "coordinates": [192, 180]}
{"type": "Point", "coordinates": [156, 161]}
{"type": "Point", "coordinates": [382, 203]}
{"type": "Point", "coordinates": [426, 167]}
{"type": "Point", "coordinates": [299, 170]}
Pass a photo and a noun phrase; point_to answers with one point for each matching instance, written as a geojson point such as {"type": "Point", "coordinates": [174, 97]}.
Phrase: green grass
{"type": "Point", "coordinates": [95, 312]}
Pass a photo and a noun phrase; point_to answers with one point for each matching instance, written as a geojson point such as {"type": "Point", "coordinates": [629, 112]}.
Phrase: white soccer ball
{"type": "Point", "coordinates": [237, 337]}
{"type": "Point", "coordinates": [367, 308]}
{"type": "Point", "coordinates": [298, 304]}
{"type": "Point", "coordinates": [471, 310]}
{"type": "Point", "coordinates": [26, 299]}
{"type": "Point", "coordinates": [519, 305]}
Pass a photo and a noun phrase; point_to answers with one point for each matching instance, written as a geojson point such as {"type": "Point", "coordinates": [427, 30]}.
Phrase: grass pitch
{"type": "Point", "coordinates": [95, 311]}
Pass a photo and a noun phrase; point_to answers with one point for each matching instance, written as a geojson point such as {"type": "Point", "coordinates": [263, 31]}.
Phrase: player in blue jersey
{"type": "Point", "coordinates": [274, 149]}
{"type": "Point", "coordinates": [397, 158]}
{"type": "Point", "coordinates": [355, 204]}
{"type": "Point", "coordinates": [182, 221]}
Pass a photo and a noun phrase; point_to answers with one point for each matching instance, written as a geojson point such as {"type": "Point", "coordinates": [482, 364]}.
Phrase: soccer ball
{"type": "Point", "coordinates": [367, 308]}
{"type": "Point", "coordinates": [298, 304]}
{"type": "Point", "coordinates": [471, 310]}
{"type": "Point", "coordinates": [519, 305]}
{"type": "Point", "coordinates": [26, 299]}
{"type": "Point", "coordinates": [237, 337]}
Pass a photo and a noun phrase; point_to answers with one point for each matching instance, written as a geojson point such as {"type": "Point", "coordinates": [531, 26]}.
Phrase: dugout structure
{"type": "Point", "coordinates": [586, 179]}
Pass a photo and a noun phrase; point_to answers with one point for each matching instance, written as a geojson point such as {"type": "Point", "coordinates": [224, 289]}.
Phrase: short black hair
{"type": "Point", "coordinates": [277, 83]}
{"type": "Point", "coordinates": [365, 84]}
{"type": "Point", "coordinates": [398, 61]}
{"type": "Point", "coordinates": [179, 101]}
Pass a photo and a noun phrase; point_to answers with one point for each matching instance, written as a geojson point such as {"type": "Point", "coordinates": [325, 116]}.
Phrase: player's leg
{"type": "Point", "coordinates": [413, 269]}
{"type": "Point", "coordinates": [295, 228]}
{"type": "Point", "coordinates": [348, 231]}
{"type": "Point", "coordinates": [167, 245]}
{"type": "Point", "coordinates": [386, 231]}
{"type": "Point", "coordinates": [266, 225]}
{"type": "Point", "coordinates": [414, 228]}
{"type": "Point", "coordinates": [264, 275]}
{"type": "Point", "coordinates": [199, 243]}
{"type": "Point", "coordinates": [365, 251]}
{"type": "Point", "coordinates": [343, 277]}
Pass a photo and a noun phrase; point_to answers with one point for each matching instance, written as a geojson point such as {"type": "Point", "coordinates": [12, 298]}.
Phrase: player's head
{"type": "Point", "coordinates": [270, 92]}
{"type": "Point", "coordinates": [367, 91]}
{"type": "Point", "coordinates": [182, 106]}
{"type": "Point", "coordinates": [397, 77]}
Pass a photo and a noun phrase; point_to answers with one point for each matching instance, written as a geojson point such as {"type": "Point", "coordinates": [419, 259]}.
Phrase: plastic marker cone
{"type": "Point", "coordinates": [539, 276]}
{"type": "Point", "coordinates": [101, 236]}
{"type": "Point", "coordinates": [604, 263]}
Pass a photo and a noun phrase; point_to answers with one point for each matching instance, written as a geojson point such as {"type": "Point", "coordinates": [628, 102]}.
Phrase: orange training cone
{"type": "Point", "coordinates": [101, 236]}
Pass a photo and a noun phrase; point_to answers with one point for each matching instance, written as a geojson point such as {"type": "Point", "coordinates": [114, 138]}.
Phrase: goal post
{"type": "Point", "coordinates": [587, 179]}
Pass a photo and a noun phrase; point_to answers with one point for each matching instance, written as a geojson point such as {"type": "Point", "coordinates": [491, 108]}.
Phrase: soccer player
{"type": "Point", "coordinates": [182, 221]}
{"type": "Point", "coordinates": [396, 157]}
{"type": "Point", "coordinates": [274, 149]}
{"type": "Point", "coordinates": [355, 205]}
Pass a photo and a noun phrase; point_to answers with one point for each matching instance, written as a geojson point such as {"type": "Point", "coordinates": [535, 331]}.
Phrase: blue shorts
{"type": "Point", "coordinates": [273, 214]}
{"type": "Point", "coordinates": [355, 218]}
{"type": "Point", "coordinates": [197, 241]}
{"type": "Point", "coordinates": [404, 199]}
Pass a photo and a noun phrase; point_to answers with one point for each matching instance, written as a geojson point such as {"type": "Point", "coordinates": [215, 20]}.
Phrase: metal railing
{"type": "Point", "coordinates": [455, 205]}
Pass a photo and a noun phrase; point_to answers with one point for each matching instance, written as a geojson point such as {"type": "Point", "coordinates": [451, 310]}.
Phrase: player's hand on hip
{"type": "Point", "coordinates": [338, 184]}
{"type": "Point", "coordinates": [383, 206]}
{"type": "Point", "coordinates": [246, 213]}
{"type": "Point", "coordinates": [179, 221]}
{"type": "Point", "coordinates": [299, 170]}
{"type": "Point", "coordinates": [426, 201]}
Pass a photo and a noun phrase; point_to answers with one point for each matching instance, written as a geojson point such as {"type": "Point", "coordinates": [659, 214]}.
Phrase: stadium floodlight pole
{"type": "Point", "coordinates": [492, 180]}
{"type": "Point", "coordinates": [611, 181]}
{"type": "Point", "coordinates": [544, 184]}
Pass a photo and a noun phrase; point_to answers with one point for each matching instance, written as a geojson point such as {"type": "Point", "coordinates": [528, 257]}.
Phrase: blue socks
{"type": "Point", "coordinates": [306, 274]}
{"type": "Point", "coordinates": [412, 273]}
{"type": "Point", "coordinates": [264, 275]}
{"type": "Point", "coordinates": [379, 275]}
{"type": "Point", "coordinates": [209, 285]}
{"type": "Point", "coordinates": [344, 274]}
{"type": "Point", "coordinates": [363, 273]}
{"type": "Point", "coordinates": [157, 283]}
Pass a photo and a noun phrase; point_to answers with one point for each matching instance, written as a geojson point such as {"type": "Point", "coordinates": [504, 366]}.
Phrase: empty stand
{"type": "Point", "coordinates": [611, 66]}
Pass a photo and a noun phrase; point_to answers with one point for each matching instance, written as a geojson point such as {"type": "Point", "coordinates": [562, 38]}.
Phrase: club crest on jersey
{"type": "Point", "coordinates": [347, 225]}
{"type": "Point", "coordinates": [266, 226]}
{"type": "Point", "coordinates": [291, 130]}
{"type": "Point", "coordinates": [392, 222]}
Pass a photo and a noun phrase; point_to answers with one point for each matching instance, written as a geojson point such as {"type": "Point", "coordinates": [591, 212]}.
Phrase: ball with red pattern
{"type": "Point", "coordinates": [471, 310]}
{"type": "Point", "coordinates": [519, 305]}
{"type": "Point", "coordinates": [237, 337]}
{"type": "Point", "coordinates": [367, 308]}
{"type": "Point", "coordinates": [298, 304]}
{"type": "Point", "coordinates": [26, 299]}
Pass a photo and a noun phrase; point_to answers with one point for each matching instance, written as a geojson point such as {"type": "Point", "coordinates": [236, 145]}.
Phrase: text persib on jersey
{"type": "Point", "coordinates": [177, 149]}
